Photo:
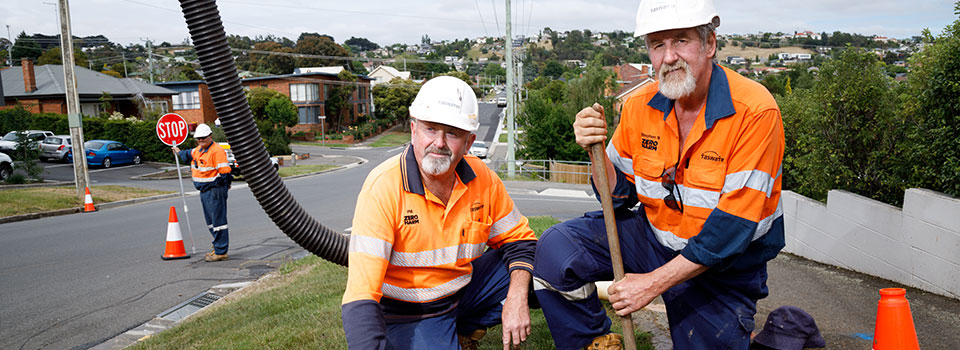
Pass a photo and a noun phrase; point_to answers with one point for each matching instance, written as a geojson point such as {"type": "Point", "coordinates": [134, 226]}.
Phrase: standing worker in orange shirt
{"type": "Point", "coordinates": [420, 273]}
{"type": "Point", "coordinates": [211, 176]}
{"type": "Point", "coordinates": [701, 151]}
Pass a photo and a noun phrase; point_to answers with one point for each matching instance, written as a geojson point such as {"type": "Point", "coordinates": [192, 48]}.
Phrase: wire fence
{"type": "Point", "coordinates": [574, 172]}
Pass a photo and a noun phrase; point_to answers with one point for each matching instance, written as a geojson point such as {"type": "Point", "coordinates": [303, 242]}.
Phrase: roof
{"type": "Point", "coordinates": [284, 76]}
{"type": "Point", "coordinates": [391, 71]}
{"type": "Point", "coordinates": [629, 88]}
{"type": "Point", "coordinates": [332, 70]}
{"type": "Point", "coordinates": [49, 79]}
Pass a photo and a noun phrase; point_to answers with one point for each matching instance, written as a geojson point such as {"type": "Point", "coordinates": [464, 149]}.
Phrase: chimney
{"type": "Point", "coordinates": [29, 78]}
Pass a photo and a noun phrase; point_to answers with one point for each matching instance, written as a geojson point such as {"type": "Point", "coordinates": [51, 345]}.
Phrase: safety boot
{"type": "Point", "coordinates": [609, 341]}
{"type": "Point", "coordinates": [215, 257]}
{"type": "Point", "coordinates": [472, 341]}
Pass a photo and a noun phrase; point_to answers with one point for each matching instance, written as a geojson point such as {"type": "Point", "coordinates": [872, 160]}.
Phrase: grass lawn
{"type": "Point", "coordinates": [40, 199]}
{"type": "Point", "coordinates": [298, 307]}
{"type": "Point", "coordinates": [392, 139]}
{"type": "Point", "coordinates": [304, 169]}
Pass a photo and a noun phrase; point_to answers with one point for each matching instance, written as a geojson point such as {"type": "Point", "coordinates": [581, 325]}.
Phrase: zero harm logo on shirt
{"type": "Point", "coordinates": [649, 141]}
{"type": "Point", "coordinates": [410, 218]}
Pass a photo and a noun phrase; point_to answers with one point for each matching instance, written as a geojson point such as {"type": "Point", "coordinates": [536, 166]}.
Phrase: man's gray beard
{"type": "Point", "coordinates": [675, 88]}
{"type": "Point", "coordinates": [436, 166]}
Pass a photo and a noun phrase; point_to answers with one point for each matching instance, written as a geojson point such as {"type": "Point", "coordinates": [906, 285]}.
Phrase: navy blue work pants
{"type": "Point", "coordinates": [479, 308]}
{"type": "Point", "coordinates": [214, 203]}
{"type": "Point", "coordinates": [714, 310]}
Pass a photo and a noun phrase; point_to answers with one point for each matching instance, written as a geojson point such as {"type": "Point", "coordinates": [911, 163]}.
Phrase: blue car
{"type": "Point", "coordinates": [109, 153]}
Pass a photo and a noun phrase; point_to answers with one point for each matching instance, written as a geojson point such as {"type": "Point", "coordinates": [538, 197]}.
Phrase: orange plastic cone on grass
{"type": "Point", "coordinates": [175, 248]}
{"type": "Point", "coordinates": [895, 330]}
{"type": "Point", "coordinates": [88, 201]}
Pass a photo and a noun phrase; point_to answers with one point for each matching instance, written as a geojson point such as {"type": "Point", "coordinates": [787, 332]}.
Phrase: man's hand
{"type": "Point", "coordinates": [636, 290]}
{"type": "Point", "coordinates": [516, 314]}
{"type": "Point", "coordinates": [590, 126]}
{"type": "Point", "coordinates": [633, 292]}
{"type": "Point", "coordinates": [175, 149]}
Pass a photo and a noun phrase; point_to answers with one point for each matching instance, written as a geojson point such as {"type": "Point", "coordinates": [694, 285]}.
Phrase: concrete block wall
{"type": "Point", "coordinates": [918, 245]}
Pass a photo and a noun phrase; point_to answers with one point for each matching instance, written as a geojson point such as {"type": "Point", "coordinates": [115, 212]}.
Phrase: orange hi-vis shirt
{"type": "Point", "coordinates": [206, 165]}
{"type": "Point", "coordinates": [411, 254]}
{"type": "Point", "coordinates": [728, 174]}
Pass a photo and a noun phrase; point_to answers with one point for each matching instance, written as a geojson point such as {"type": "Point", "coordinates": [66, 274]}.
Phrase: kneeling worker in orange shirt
{"type": "Point", "coordinates": [420, 273]}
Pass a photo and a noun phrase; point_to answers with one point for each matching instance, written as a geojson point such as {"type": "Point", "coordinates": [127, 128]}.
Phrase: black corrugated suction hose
{"type": "Point", "coordinates": [220, 73]}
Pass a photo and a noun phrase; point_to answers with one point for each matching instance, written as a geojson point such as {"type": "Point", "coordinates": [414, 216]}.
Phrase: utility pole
{"type": "Point", "coordinates": [511, 137]}
{"type": "Point", "coordinates": [10, 48]}
{"type": "Point", "coordinates": [73, 102]}
{"type": "Point", "coordinates": [124, 56]}
{"type": "Point", "coordinates": [150, 52]}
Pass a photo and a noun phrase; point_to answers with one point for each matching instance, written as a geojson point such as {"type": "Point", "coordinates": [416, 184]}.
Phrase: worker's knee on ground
{"type": "Point", "coordinates": [560, 259]}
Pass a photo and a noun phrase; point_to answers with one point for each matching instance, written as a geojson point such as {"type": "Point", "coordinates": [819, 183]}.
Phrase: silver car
{"type": "Point", "coordinates": [6, 166]}
{"type": "Point", "coordinates": [11, 140]}
{"type": "Point", "coordinates": [55, 148]}
{"type": "Point", "coordinates": [479, 149]}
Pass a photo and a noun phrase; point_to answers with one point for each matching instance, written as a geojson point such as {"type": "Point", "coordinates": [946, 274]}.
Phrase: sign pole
{"type": "Point", "coordinates": [323, 136]}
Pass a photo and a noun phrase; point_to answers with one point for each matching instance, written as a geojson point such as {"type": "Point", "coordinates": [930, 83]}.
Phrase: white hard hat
{"type": "Point", "coordinates": [203, 130]}
{"type": "Point", "coordinates": [447, 100]}
{"type": "Point", "coordinates": [659, 15]}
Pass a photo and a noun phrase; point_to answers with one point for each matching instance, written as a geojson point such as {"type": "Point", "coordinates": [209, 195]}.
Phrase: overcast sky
{"type": "Point", "coordinates": [405, 21]}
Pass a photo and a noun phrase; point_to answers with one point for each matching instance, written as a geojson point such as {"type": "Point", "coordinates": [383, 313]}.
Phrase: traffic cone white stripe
{"type": "Point", "coordinates": [173, 232]}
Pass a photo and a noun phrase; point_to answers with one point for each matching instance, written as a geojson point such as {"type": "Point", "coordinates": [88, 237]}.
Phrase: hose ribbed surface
{"type": "Point", "coordinates": [220, 73]}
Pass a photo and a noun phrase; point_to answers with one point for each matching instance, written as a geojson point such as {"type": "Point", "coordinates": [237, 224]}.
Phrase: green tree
{"type": "Point", "coordinates": [25, 47]}
{"type": "Point", "coordinates": [338, 102]}
{"type": "Point", "coordinates": [361, 44]}
{"type": "Point", "coordinates": [932, 108]}
{"type": "Point", "coordinates": [394, 99]}
{"type": "Point", "coordinates": [323, 45]}
{"type": "Point", "coordinates": [272, 111]}
{"type": "Point", "coordinates": [843, 133]}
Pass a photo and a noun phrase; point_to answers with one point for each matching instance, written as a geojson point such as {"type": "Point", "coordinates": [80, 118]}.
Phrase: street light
{"type": "Point", "coordinates": [56, 15]}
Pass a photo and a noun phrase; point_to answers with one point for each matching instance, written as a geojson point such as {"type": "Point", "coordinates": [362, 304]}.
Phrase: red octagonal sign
{"type": "Point", "coordinates": [172, 129]}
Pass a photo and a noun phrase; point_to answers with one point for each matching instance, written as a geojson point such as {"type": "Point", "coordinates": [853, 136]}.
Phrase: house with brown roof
{"type": "Point", "coordinates": [630, 77]}
{"type": "Point", "coordinates": [41, 89]}
{"type": "Point", "coordinates": [309, 92]}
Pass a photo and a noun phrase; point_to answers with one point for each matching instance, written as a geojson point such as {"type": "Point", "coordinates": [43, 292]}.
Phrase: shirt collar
{"type": "Point", "coordinates": [410, 170]}
{"type": "Point", "coordinates": [719, 102]}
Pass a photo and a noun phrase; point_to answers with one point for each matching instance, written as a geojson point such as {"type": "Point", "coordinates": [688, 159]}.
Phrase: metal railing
{"type": "Point", "coordinates": [546, 170]}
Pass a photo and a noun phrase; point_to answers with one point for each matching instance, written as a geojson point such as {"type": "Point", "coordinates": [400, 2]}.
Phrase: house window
{"type": "Point", "coordinates": [327, 89]}
{"type": "Point", "coordinates": [308, 114]}
{"type": "Point", "coordinates": [160, 105]}
{"type": "Point", "coordinates": [187, 100]}
{"type": "Point", "coordinates": [304, 92]}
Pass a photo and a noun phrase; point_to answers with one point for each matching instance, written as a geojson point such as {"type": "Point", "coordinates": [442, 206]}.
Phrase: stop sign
{"type": "Point", "coordinates": [172, 129]}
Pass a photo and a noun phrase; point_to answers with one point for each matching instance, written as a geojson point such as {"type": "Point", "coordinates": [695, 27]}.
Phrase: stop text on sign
{"type": "Point", "coordinates": [172, 129]}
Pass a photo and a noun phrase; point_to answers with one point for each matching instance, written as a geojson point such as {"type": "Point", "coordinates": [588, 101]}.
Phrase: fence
{"type": "Point", "coordinates": [547, 170]}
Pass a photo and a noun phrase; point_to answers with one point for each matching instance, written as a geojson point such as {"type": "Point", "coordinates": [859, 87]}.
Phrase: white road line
{"type": "Point", "coordinates": [105, 169]}
{"type": "Point", "coordinates": [58, 166]}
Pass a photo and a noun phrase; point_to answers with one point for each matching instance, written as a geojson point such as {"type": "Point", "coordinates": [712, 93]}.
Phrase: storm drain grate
{"type": "Point", "coordinates": [189, 307]}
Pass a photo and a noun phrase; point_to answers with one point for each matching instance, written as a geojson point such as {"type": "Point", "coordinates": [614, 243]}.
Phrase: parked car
{"type": "Point", "coordinates": [11, 140]}
{"type": "Point", "coordinates": [479, 149]}
{"type": "Point", "coordinates": [6, 166]}
{"type": "Point", "coordinates": [109, 153]}
{"type": "Point", "coordinates": [232, 160]}
{"type": "Point", "coordinates": [55, 147]}
{"type": "Point", "coordinates": [501, 101]}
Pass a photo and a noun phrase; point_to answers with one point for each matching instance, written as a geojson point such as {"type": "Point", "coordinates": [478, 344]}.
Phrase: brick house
{"type": "Point", "coordinates": [630, 77]}
{"type": "Point", "coordinates": [308, 91]}
{"type": "Point", "coordinates": [40, 89]}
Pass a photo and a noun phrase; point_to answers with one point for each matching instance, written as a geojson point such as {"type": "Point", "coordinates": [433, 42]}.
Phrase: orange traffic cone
{"type": "Point", "coordinates": [88, 201]}
{"type": "Point", "coordinates": [175, 248]}
{"type": "Point", "coordinates": [895, 330]}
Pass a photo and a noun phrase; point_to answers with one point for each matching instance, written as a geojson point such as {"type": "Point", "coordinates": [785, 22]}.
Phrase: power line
{"type": "Point", "coordinates": [481, 18]}
{"type": "Point", "coordinates": [496, 20]}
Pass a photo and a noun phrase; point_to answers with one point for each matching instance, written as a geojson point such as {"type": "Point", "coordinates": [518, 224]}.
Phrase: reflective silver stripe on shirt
{"type": "Point", "coordinates": [370, 245]}
{"type": "Point", "coordinates": [764, 225]}
{"type": "Point", "coordinates": [437, 257]}
{"type": "Point", "coordinates": [690, 196]}
{"type": "Point", "coordinates": [755, 179]}
{"type": "Point", "coordinates": [505, 223]}
{"type": "Point", "coordinates": [223, 165]}
{"type": "Point", "coordinates": [426, 294]}
{"type": "Point", "coordinates": [219, 228]}
{"type": "Point", "coordinates": [204, 179]}
{"type": "Point", "coordinates": [577, 294]}
{"type": "Point", "coordinates": [205, 168]}
{"type": "Point", "coordinates": [667, 238]}
{"type": "Point", "coordinates": [623, 164]}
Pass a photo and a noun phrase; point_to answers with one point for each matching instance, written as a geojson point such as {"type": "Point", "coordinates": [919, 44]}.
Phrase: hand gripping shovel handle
{"type": "Point", "coordinates": [613, 238]}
